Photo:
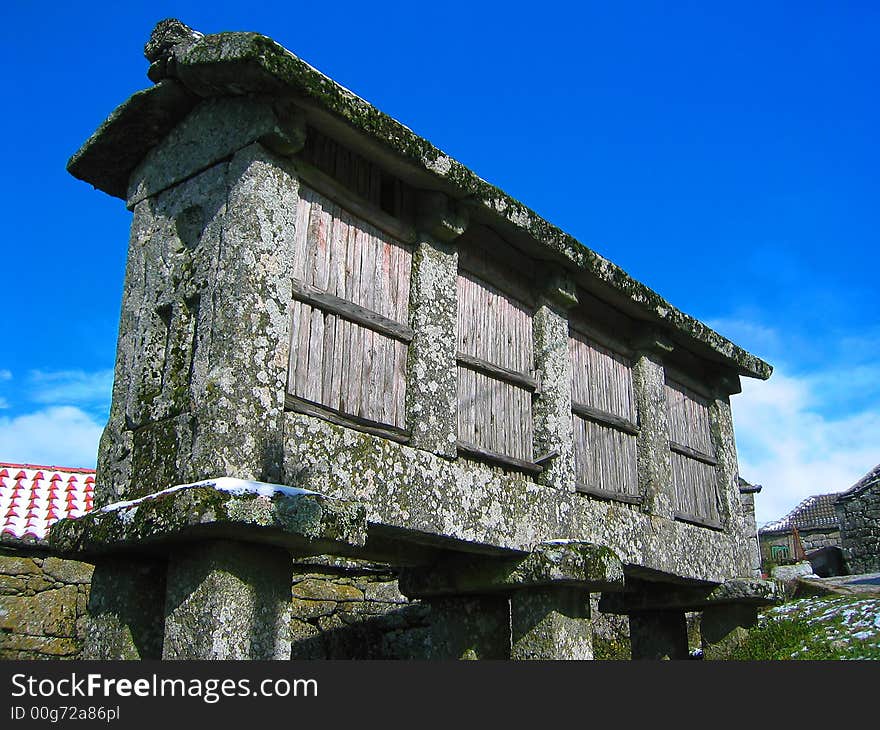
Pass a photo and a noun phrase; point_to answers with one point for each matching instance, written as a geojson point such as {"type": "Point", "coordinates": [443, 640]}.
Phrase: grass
{"type": "Point", "coordinates": [835, 627]}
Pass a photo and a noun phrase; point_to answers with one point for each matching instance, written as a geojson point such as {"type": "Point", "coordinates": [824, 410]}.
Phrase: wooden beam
{"type": "Point", "coordinates": [478, 452]}
{"type": "Point", "coordinates": [498, 372]}
{"type": "Point", "coordinates": [608, 494]}
{"type": "Point", "coordinates": [353, 203]}
{"type": "Point", "coordinates": [692, 453]}
{"type": "Point", "coordinates": [353, 312]}
{"type": "Point", "coordinates": [698, 521]}
{"type": "Point", "coordinates": [308, 408]}
{"type": "Point", "coordinates": [604, 418]}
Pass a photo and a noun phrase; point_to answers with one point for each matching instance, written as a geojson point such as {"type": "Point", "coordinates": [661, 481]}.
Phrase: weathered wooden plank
{"type": "Point", "coordinates": [312, 385]}
{"type": "Point", "coordinates": [352, 312]}
{"type": "Point", "coordinates": [295, 323]}
{"type": "Point", "coordinates": [302, 360]}
{"type": "Point", "coordinates": [477, 452]}
{"type": "Point", "coordinates": [698, 520]}
{"type": "Point", "coordinates": [604, 417]}
{"type": "Point", "coordinates": [300, 405]}
{"type": "Point", "coordinates": [693, 453]}
{"type": "Point", "coordinates": [608, 494]}
{"type": "Point", "coordinates": [499, 373]}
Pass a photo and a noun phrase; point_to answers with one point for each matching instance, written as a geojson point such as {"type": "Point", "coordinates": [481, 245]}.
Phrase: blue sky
{"type": "Point", "coordinates": [724, 154]}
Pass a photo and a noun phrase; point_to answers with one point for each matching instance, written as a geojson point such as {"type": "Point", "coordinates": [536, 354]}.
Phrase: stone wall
{"type": "Point", "coordinates": [815, 539]}
{"type": "Point", "coordinates": [43, 602]}
{"type": "Point", "coordinates": [859, 517]}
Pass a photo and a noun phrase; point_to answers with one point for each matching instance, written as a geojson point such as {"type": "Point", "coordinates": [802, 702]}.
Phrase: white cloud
{"type": "Point", "coordinates": [793, 441]}
{"type": "Point", "coordinates": [56, 436]}
{"type": "Point", "coordinates": [5, 375]}
{"type": "Point", "coordinates": [3, 403]}
{"type": "Point", "coordinates": [70, 387]}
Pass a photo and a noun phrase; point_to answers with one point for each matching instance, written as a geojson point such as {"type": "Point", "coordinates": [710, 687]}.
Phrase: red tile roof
{"type": "Point", "coordinates": [33, 497]}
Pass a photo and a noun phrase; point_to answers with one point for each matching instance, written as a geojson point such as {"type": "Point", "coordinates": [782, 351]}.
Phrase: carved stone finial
{"type": "Point", "coordinates": [166, 35]}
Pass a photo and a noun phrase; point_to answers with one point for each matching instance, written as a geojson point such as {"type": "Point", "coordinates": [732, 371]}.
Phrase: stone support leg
{"type": "Point", "coordinates": [658, 635]}
{"type": "Point", "coordinates": [723, 628]}
{"type": "Point", "coordinates": [228, 600]}
{"type": "Point", "coordinates": [468, 627]}
{"type": "Point", "coordinates": [552, 623]}
{"type": "Point", "coordinates": [125, 609]}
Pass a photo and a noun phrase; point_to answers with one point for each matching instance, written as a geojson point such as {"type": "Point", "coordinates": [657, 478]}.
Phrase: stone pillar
{"type": "Point", "coordinates": [228, 600]}
{"type": "Point", "coordinates": [658, 634]}
{"type": "Point", "coordinates": [207, 297]}
{"type": "Point", "coordinates": [727, 471]}
{"type": "Point", "coordinates": [125, 609]}
{"type": "Point", "coordinates": [553, 439]}
{"type": "Point", "coordinates": [654, 463]}
{"type": "Point", "coordinates": [432, 378]}
{"type": "Point", "coordinates": [550, 623]}
{"type": "Point", "coordinates": [724, 627]}
{"type": "Point", "coordinates": [467, 627]}
{"type": "Point", "coordinates": [545, 593]}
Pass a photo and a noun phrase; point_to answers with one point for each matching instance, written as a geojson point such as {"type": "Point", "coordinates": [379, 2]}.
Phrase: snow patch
{"type": "Point", "coordinates": [229, 485]}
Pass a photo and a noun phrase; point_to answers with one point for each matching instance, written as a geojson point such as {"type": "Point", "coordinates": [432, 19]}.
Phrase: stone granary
{"type": "Point", "coordinates": [343, 342]}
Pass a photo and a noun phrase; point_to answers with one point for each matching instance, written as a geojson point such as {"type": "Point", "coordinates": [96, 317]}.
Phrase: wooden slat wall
{"type": "Point", "coordinates": [688, 418]}
{"type": "Point", "coordinates": [605, 457]}
{"type": "Point", "coordinates": [695, 487]}
{"type": "Point", "coordinates": [335, 362]}
{"type": "Point", "coordinates": [601, 378]}
{"type": "Point", "coordinates": [493, 326]}
{"type": "Point", "coordinates": [695, 482]}
{"type": "Point", "coordinates": [351, 259]}
{"type": "Point", "coordinates": [494, 415]}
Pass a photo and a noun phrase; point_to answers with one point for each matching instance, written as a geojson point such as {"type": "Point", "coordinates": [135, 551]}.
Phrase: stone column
{"type": "Point", "coordinates": [550, 623]}
{"type": "Point", "coordinates": [125, 608]}
{"type": "Point", "coordinates": [658, 634]}
{"type": "Point", "coordinates": [546, 593]}
{"type": "Point", "coordinates": [724, 627]}
{"type": "Point", "coordinates": [432, 377]}
{"type": "Point", "coordinates": [654, 463]}
{"type": "Point", "coordinates": [228, 600]}
{"type": "Point", "coordinates": [553, 439]}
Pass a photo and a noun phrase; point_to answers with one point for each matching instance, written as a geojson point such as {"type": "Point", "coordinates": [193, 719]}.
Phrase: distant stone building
{"type": "Point", "coordinates": [816, 524]}
{"type": "Point", "coordinates": [858, 513]}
